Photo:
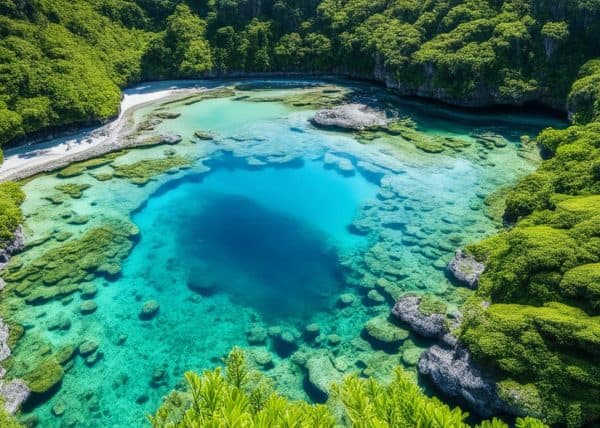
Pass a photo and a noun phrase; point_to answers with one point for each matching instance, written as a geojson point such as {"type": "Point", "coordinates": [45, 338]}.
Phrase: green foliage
{"type": "Point", "coordinates": [6, 420]}
{"type": "Point", "coordinates": [243, 398]}
{"type": "Point", "coordinates": [11, 198]}
{"type": "Point", "coordinates": [542, 330]}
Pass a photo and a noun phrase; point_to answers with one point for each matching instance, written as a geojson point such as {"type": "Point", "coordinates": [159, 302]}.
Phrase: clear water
{"type": "Point", "coordinates": [233, 243]}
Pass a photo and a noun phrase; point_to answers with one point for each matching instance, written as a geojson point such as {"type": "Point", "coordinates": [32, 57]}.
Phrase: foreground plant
{"type": "Point", "coordinates": [239, 397]}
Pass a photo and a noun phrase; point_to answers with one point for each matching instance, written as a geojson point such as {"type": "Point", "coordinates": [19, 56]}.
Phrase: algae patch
{"type": "Point", "coordinates": [143, 171]}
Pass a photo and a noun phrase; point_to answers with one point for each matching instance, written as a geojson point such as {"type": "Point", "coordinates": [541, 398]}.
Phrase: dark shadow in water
{"type": "Point", "coordinates": [260, 257]}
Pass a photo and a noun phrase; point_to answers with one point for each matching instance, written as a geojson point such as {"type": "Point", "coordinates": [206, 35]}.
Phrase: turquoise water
{"type": "Point", "coordinates": [263, 233]}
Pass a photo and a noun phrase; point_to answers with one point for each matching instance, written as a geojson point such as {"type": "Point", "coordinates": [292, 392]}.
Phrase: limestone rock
{"type": "Point", "coordinates": [311, 331]}
{"type": "Point", "coordinates": [256, 335]}
{"type": "Point", "coordinates": [88, 307]}
{"type": "Point", "coordinates": [262, 357]}
{"type": "Point", "coordinates": [455, 374]}
{"type": "Point", "coordinates": [149, 310]}
{"type": "Point", "coordinates": [382, 330]}
{"type": "Point", "coordinates": [345, 299]}
{"type": "Point", "coordinates": [407, 310]}
{"type": "Point", "coordinates": [375, 298]}
{"type": "Point", "coordinates": [356, 117]}
{"type": "Point", "coordinates": [465, 269]}
{"type": "Point", "coordinates": [44, 376]}
{"type": "Point", "coordinates": [13, 394]}
{"type": "Point", "coordinates": [88, 347]}
{"type": "Point", "coordinates": [4, 334]}
{"type": "Point", "coordinates": [322, 374]}
{"type": "Point", "coordinates": [170, 139]}
{"type": "Point", "coordinates": [14, 246]}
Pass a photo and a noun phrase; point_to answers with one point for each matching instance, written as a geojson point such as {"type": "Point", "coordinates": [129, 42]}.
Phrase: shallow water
{"type": "Point", "coordinates": [271, 224]}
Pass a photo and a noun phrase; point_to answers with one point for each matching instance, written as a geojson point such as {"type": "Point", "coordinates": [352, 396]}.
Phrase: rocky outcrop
{"type": "Point", "coordinates": [465, 269]}
{"type": "Point", "coordinates": [4, 348]}
{"type": "Point", "coordinates": [14, 246]}
{"type": "Point", "coordinates": [431, 326]}
{"type": "Point", "coordinates": [322, 374]}
{"type": "Point", "coordinates": [356, 117]}
{"type": "Point", "coordinates": [455, 374]}
{"type": "Point", "coordinates": [13, 394]}
{"type": "Point", "coordinates": [448, 364]}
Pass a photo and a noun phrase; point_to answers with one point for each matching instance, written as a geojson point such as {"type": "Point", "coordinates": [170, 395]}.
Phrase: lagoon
{"type": "Point", "coordinates": [263, 232]}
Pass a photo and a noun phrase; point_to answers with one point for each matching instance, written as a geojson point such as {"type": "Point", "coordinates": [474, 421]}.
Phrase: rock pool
{"type": "Point", "coordinates": [255, 230]}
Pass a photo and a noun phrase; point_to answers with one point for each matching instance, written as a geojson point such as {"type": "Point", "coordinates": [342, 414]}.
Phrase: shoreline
{"type": "Point", "coordinates": [28, 160]}
{"type": "Point", "coordinates": [87, 142]}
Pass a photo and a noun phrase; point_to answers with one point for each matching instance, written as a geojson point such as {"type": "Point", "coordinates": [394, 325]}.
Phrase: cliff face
{"type": "Point", "coordinates": [484, 95]}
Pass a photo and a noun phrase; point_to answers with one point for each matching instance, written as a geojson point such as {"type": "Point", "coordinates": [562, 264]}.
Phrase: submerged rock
{"type": "Point", "coordinates": [58, 409]}
{"type": "Point", "coordinates": [345, 299]}
{"type": "Point", "coordinates": [149, 310]}
{"type": "Point", "coordinates": [262, 357]}
{"type": "Point", "coordinates": [465, 269]}
{"type": "Point", "coordinates": [88, 347]}
{"type": "Point", "coordinates": [13, 394]}
{"type": "Point", "coordinates": [382, 330]}
{"type": "Point", "coordinates": [322, 374]}
{"type": "Point", "coordinates": [311, 331]}
{"type": "Point", "coordinates": [432, 325]}
{"type": "Point", "coordinates": [256, 335]}
{"type": "Point", "coordinates": [350, 116]}
{"type": "Point", "coordinates": [88, 307]}
{"type": "Point", "coordinates": [455, 374]}
{"type": "Point", "coordinates": [44, 376]}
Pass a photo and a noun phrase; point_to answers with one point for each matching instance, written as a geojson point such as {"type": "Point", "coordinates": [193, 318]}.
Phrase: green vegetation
{"type": "Point", "coordinates": [63, 62]}
{"type": "Point", "coordinates": [61, 270]}
{"type": "Point", "coordinates": [542, 330]}
{"type": "Point", "coordinates": [241, 397]}
{"type": "Point", "coordinates": [11, 198]}
{"type": "Point", "coordinates": [143, 171]}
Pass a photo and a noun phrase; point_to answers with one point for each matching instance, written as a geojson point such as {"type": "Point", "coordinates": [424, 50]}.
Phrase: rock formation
{"type": "Point", "coordinates": [447, 364]}
{"type": "Point", "coordinates": [465, 269]}
{"type": "Point", "coordinates": [355, 117]}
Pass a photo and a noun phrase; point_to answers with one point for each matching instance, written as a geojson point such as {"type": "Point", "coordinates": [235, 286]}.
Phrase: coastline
{"type": "Point", "coordinates": [31, 159]}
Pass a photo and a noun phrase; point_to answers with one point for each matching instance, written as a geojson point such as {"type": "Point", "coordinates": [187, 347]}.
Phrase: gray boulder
{"type": "Point", "coordinates": [356, 117]}
{"type": "Point", "coordinates": [14, 394]}
{"type": "Point", "coordinates": [4, 348]}
{"type": "Point", "coordinates": [14, 246]}
{"type": "Point", "coordinates": [431, 326]}
{"type": "Point", "coordinates": [465, 269]}
{"type": "Point", "coordinates": [455, 374]}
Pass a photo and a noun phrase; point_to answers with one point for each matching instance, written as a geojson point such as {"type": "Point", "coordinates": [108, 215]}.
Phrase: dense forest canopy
{"type": "Point", "coordinates": [535, 317]}
{"type": "Point", "coordinates": [63, 62]}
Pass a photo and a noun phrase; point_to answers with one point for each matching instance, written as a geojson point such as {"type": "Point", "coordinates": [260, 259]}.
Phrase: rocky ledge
{"type": "Point", "coordinates": [432, 326]}
{"type": "Point", "coordinates": [355, 117]}
{"type": "Point", "coordinates": [465, 269]}
{"type": "Point", "coordinates": [13, 247]}
{"type": "Point", "coordinates": [448, 364]}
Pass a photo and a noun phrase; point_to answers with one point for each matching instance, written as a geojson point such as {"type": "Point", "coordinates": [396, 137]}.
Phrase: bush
{"type": "Point", "coordinates": [240, 397]}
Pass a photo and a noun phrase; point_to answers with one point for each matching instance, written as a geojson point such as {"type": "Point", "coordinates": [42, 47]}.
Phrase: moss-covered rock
{"type": "Point", "coordinates": [60, 270]}
{"type": "Point", "coordinates": [47, 374]}
{"type": "Point", "coordinates": [143, 171]}
{"type": "Point", "coordinates": [383, 330]}
{"type": "Point", "coordinates": [72, 190]}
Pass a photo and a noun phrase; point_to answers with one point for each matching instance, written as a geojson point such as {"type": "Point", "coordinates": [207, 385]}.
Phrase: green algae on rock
{"type": "Point", "coordinates": [143, 171]}
{"type": "Point", "coordinates": [60, 270]}
{"type": "Point", "coordinates": [79, 168]}
{"type": "Point", "coordinates": [45, 375]}
{"type": "Point", "coordinates": [383, 330]}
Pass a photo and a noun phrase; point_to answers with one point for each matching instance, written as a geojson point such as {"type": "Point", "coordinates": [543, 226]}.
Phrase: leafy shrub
{"type": "Point", "coordinates": [240, 397]}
